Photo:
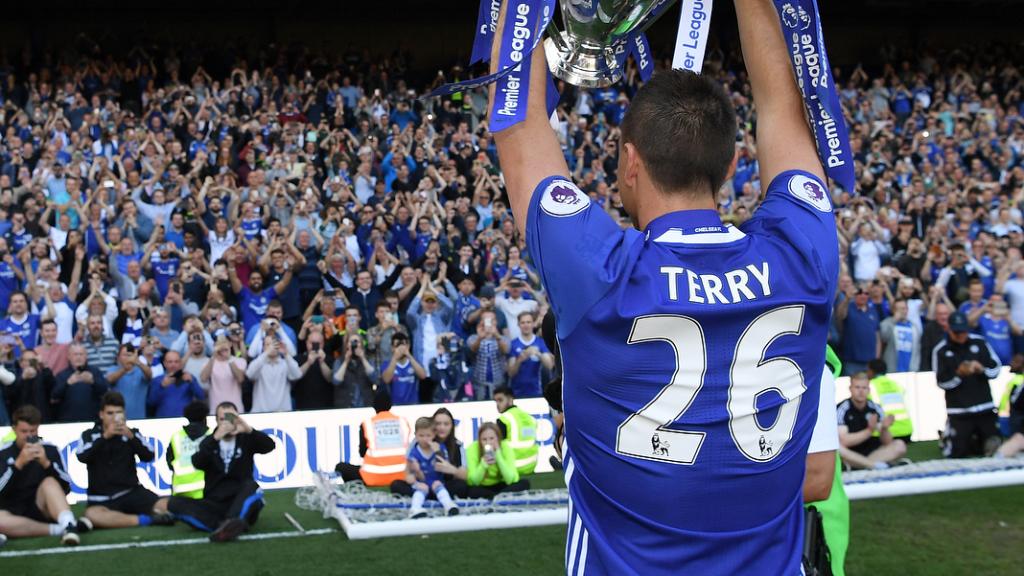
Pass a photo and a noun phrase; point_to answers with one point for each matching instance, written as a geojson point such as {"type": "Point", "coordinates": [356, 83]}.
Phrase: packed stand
{"type": "Point", "coordinates": [304, 231]}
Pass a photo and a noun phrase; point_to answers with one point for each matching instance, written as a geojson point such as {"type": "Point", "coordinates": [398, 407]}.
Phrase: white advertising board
{"type": "Point", "coordinates": [306, 441]}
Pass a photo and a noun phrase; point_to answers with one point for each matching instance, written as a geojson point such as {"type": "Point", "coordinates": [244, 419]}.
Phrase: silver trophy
{"type": "Point", "coordinates": [588, 53]}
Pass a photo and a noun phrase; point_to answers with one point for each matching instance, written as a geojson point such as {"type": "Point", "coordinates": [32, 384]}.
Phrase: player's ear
{"type": "Point", "coordinates": [631, 165]}
{"type": "Point", "coordinates": [732, 165]}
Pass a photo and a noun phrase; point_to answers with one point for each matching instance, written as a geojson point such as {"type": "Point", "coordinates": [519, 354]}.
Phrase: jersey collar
{"type": "Point", "coordinates": [692, 227]}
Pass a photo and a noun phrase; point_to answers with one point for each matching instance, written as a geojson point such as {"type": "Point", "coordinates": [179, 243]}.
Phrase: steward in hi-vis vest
{"type": "Point", "coordinates": [186, 480]}
{"type": "Point", "coordinates": [519, 429]}
{"type": "Point", "coordinates": [889, 394]}
{"type": "Point", "coordinates": [383, 444]}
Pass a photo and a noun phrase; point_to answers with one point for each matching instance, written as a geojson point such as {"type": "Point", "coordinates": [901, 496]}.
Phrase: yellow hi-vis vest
{"type": "Point", "coordinates": [522, 437]}
{"type": "Point", "coordinates": [8, 438]}
{"type": "Point", "coordinates": [186, 481]}
{"type": "Point", "coordinates": [888, 394]}
{"type": "Point", "coordinates": [1004, 403]}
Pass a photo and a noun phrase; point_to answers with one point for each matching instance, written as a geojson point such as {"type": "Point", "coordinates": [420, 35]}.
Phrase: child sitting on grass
{"type": "Point", "coordinates": [420, 472]}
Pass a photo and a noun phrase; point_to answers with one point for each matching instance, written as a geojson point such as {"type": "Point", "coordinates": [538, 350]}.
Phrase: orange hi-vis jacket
{"type": "Point", "coordinates": [387, 446]}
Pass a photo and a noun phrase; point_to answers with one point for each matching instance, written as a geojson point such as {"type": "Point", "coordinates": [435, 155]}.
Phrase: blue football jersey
{"type": "Point", "coordinates": [692, 356]}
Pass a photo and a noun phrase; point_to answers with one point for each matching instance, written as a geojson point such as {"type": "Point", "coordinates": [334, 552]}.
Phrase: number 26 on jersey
{"type": "Point", "coordinates": [646, 433]}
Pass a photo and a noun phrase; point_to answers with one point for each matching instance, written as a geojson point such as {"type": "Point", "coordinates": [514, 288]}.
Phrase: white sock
{"type": "Point", "coordinates": [443, 497]}
{"type": "Point", "coordinates": [881, 465]}
{"type": "Point", "coordinates": [66, 518]}
{"type": "Point", "coordinates": [418, 498]}
{"type": "Point", "coordinates": [56, 529]}
{"type": "Point", "coordinates": [998, 455]}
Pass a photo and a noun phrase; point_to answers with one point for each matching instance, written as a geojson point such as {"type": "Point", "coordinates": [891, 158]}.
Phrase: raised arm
{"type": "Point", "coordinates": [784, 138]}
{"type": "Point", "coordinates": [529, 151]}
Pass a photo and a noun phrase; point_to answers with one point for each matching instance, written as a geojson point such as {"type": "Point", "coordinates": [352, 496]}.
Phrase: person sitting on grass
{"type": "Point", "coordinates": [231, 500]}
{"type": "Point", "coordinates": [421, 474]}
{"type": "Point", "coordinates": [109, 451]}
{"type": "Point", "coordinates": [34, 484]}
{"type": "Point", "coordinates": [1015, 398]}
{"type": "Point", "coordinates": [492, 465]}
{"type": "Point", "coordinates": [865, 436]}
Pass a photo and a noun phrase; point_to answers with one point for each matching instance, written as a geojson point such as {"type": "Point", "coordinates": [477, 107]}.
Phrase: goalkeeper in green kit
{"type": "Point", "coordinates": [823, 486]}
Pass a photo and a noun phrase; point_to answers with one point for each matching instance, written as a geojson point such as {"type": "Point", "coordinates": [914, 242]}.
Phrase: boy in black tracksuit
{"type": "Point", "coordinates": [109, 450]}
{"type": "Point", "coordinates": [34, 484]}
{"type": "Point", "coordinates": [232, 500]}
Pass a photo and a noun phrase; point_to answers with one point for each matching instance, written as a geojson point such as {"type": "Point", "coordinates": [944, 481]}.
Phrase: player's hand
{"type": "Point", "coordinates": [888, 421]}
{"type": "Point", "coordinates": [85, 377]}
{"type": "Point", "coordinates": [26, 455]}
{"type": "Point", "coordinates": [241, 426]}
{"type": "Point", "coordinates": [965, 369]}
{"type": "Point", "coordinates": [872, 421]}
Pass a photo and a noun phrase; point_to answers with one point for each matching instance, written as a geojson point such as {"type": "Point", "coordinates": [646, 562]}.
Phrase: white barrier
{"type": "Point", "coordinates": [306, 441]}
{"type": "Point", "coordinates": [925, 401]}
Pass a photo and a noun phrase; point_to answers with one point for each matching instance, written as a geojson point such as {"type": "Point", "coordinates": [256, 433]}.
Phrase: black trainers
{"type": "Point", "coordinates": [556, 464]}
{"type": "Point", "coordinates": [84, 525]}
{"type": "Point", "coordinates": [229, 530]}
{"type": "Point", "coordinates": [453, 511]}
{"type": "Point", "coordinates": [162, 519]}
{"type": "Point", "coordinates": [417, 514]}
{"type": "Point", "coordinates": [3, 540]}
{"type": "Point", "coordinates": [70, 536]}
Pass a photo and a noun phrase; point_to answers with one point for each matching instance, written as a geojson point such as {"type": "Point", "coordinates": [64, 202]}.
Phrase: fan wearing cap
{"type": "Point", "coordinates": [860, 322]}
{"type": "Point", "coordinates": [963, 364]}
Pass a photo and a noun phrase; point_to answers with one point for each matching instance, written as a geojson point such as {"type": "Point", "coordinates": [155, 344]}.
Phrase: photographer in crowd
{"type": "Point", "coordinates": [232, 500]}
{"type": "Point", "coordinates": [34, 484]}
{"type": "Point", "coordinates": [110, 450]}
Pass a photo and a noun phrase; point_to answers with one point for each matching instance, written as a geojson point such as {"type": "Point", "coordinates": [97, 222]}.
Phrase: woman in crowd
{"type": "Point", "coordinates": [453, 468]}
{"type": "Point", "coordinates": [492, 465]}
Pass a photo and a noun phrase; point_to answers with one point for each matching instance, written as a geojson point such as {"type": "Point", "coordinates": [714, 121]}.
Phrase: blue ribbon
{"type": "Point", "coordinates": [455, 87]}
{"type": "Point", "coordinates": [641, 52]}
{"type": "Point", "coordinates": [511, 91]}
{"type": "Point", "coordinates": [801, 29]}
{"type": "Point", "coordinates": [486, 25]}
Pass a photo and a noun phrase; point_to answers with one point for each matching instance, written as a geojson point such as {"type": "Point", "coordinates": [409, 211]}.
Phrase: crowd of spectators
{"type": "Point", "coordinates": [303, 230]}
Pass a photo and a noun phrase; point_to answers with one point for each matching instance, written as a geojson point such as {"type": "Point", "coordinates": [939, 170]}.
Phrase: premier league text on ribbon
{"type": "Point", "coordinates": [806, 57]}
{"type": "Point", "coordinates": [508, 100]}
{"type": "Point", "coordinates": [802, 28]}
{"type": "Point", "coordinates": [692, 37]}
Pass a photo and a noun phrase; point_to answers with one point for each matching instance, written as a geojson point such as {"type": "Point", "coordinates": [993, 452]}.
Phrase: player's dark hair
{"type": "Point", "coordinates": [112, 398]}
{"type": "Point", "coordinates": [28, 414]}
{"type": "Point", "coordinates": [683, 126]}
{"type": "Point", "coordinates": [382, 402]}
{"type": "Point", "coordinates": [450, 443]}
{"type": "Point", "coordinates": [503, 390]}
{"type": "Point", "coordinates": [195, 411]}
{"type": "Point", "coordinates": [226, 404]}
{"type": "Point", "coordinates": [878, 367]}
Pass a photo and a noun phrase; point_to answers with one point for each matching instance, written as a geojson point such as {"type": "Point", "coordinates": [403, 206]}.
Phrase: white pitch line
{"type": "Point", "coordinates": [157, 543]}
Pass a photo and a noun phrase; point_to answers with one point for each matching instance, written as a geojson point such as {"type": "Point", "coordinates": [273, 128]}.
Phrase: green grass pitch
{"type": "Point", "coordinates": [974, 532]}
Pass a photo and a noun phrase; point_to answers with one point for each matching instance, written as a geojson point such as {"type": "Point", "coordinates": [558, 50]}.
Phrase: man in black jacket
{"type": "Point", "coordinates": [964, 363]}
{"type": "Point", "coordinates": [232, 500]}
{"type": "Point", "coordinates": [34, 484]}
{"type": "Point", "coordinates": [109, 450]}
